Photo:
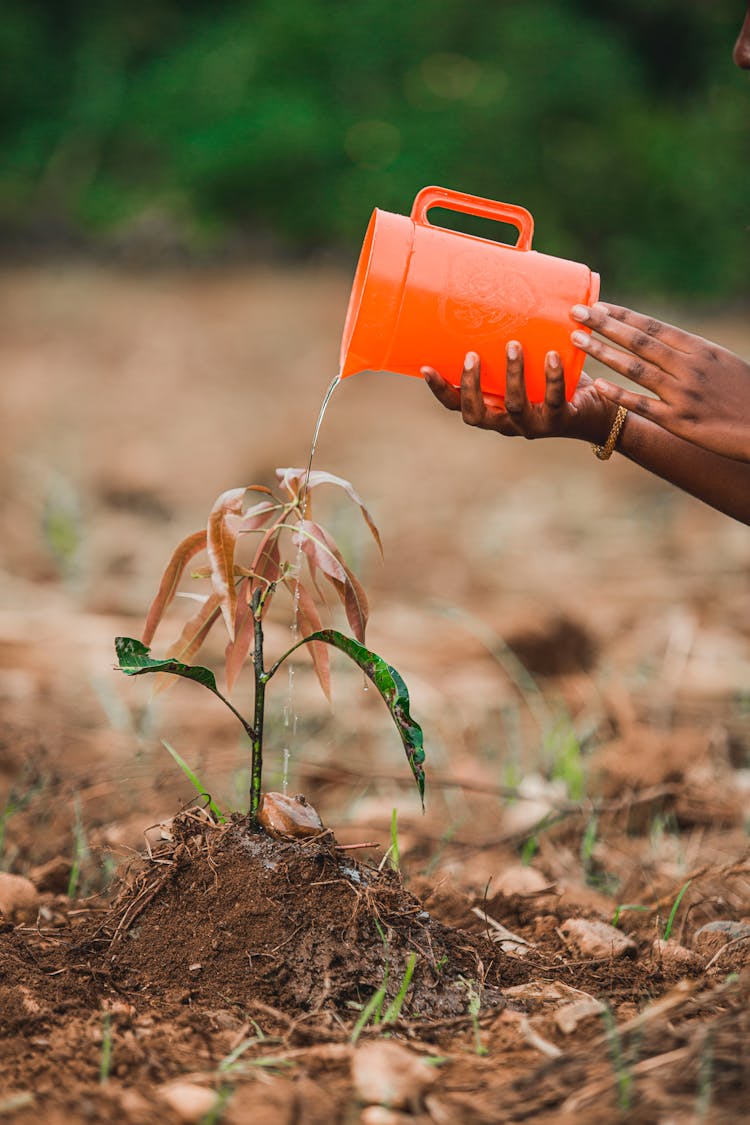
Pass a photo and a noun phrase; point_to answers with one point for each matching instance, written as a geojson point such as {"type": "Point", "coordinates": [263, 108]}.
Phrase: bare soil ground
{"type": "Point", "coordinates": [576, 639]}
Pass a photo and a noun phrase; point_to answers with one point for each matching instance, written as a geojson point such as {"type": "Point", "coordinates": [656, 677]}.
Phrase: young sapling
{"type": "Point", "coordinates": [283, 536]}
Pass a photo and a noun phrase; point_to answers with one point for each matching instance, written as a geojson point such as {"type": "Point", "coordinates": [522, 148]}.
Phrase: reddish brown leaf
{"type": "Point", "coordinates": [256, 516]}
{"type": "Point", "coordinates": [322, 554]}
{"type": "Point", "coordinates": [182, 555]}
{"type": "Point", "coordinates": [195, 631]}
{"type": "Point", "coordinates": [193, 634]}
{"type": "Point", "coordinates": [293, 480]}
{"type": "Point", "coordinates": [267, 568]}
{"type": "Point", "coordinates": [237, 651]}
{"type": "Point", "coordinates": [267, 563]}
{"type": "Point", "coordinates": [221, 545]}
{"type": "Point", "coordinates": [308, 621]}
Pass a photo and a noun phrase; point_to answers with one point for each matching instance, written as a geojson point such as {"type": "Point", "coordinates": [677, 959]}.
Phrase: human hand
{"type": "Point", "coordinates": [703, 390]}
{"type": "Point", "coordinates": [587, 415]}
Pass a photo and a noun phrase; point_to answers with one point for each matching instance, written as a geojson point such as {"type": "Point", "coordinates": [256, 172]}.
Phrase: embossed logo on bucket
{"type": "Point", "coordinates": [481, 300]}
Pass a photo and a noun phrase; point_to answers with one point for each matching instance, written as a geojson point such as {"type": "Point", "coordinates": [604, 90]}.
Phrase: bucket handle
{"type": "Point", "coordinates": [474, 205]}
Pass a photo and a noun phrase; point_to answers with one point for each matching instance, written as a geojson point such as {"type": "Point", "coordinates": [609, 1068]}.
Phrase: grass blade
{"type": "Point", "coordinates": [393, 1011]}
{"type": "Point", "coordinates": [673, 911]}
{"type": "Point", "coordinates": [371, 1010]}
{"type": "Point", "coordinates": [195, 781]}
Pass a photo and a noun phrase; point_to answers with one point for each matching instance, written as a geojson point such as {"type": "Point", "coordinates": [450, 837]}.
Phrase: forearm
{"type": "Point", "coordinates": [721, 482]}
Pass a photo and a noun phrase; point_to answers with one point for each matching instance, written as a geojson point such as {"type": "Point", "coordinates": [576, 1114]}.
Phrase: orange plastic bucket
{"type": "Point", "coordinates": [425, 295]}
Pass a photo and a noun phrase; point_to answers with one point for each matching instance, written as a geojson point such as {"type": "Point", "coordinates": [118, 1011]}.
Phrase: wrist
{"type": "Point", "coordinates": [595, 426]}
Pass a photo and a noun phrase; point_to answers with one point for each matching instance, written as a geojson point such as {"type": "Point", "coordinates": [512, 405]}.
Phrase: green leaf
{"type": "Point", "coordinates": [391, 687]}
{"type": "Point", "coordinates": [134, 659]}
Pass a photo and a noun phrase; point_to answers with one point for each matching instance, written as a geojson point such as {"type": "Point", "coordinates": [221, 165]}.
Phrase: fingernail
{"type": "Point", "coordinates": [579, 312]}
{"type": "Point", "coordinates": [425, 372]}
{"type": "Point", "coordinates": [472, 359]}
{"type": "Point", "coordinates": [553, 360]}
{"type": "Point", "coordinates": [513, 349]}
{"type": "Point", "coordinates": [580, 339]}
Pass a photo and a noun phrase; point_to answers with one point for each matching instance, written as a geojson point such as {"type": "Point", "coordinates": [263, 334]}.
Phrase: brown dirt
{"type": "Point", "coordinates": [575, 639]}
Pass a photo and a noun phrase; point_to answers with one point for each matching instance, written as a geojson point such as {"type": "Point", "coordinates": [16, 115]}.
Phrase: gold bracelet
{"type": "Point", "coordinates": [604, 452]}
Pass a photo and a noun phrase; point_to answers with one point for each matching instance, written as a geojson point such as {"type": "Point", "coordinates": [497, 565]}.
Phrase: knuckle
{"type": "Point", "coordinates": [689, 409]}
{"type": "Point", "coordinates": [654, 327]}
{"type": "Point", "coordinates": [636, 369]}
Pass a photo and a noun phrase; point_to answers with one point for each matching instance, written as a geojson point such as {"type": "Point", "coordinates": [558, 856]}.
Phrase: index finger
{"type": "Point", "coordinates": [635, 323]}
{"type": "Point", "coordinates": [443, 391]}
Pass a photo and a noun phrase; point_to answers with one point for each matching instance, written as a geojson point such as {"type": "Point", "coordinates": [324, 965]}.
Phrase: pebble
{"type": "Point", "coordinates": [133, 1104]}
{"type": "Point", "coordinates": [16, 893]}
{"type": "Point", "coordinates": [189, 1101]}
{"type": "Point", "coordinates": [672, 952]}
{"type": "Point", "coordinates": [288, 818]}
{"type": "Point", "coordinates": [386, 1074]}
{"type": "Point", "coordinates": [53, 876]}
{"type": "Point", "coordinates": [519, 879]}
{"type": "Point", "coordinates": [379, 1115]}
{"type": "Point", "coordinates": [598, 939]}
{"type": "Point", "coordinates": [569, 1016]}
{"type": "Point", "coordinates": [710, 938]}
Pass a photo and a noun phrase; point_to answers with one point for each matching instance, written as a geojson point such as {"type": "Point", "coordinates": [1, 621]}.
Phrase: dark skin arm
{"type": "Point", "coordinates": [721, 482]}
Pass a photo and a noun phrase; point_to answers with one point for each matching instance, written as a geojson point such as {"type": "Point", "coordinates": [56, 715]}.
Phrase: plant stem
{"type": "Point", "coordinates": [261, 679]}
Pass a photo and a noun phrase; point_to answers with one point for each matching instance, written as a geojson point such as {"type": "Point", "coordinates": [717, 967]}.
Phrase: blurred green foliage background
{"type": "Point", "coordinates": [622, 126]}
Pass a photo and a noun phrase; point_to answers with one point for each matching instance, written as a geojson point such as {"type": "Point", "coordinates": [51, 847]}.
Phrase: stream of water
{"type": "Point", "coordinates": [290, 714]}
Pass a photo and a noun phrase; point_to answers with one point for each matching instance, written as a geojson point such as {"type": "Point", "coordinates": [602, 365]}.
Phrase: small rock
{"type": "Point", "coordinates": [598, 939]}
{"type": "Point", "coordinates": [225, 1019]}
{"type": "Point", "coordinates": [519, 879]}
{"type": "Point", "coordinates": [386, 1074]}
{"type": "Point", "coordinates": [189, 1101]}
{"type": "Point", "coordinates": [288, 818]}
{"type": "Point", "coordinates": [569, 1016]}
{"type": "Point", "coordinates": [16, 893]}
{"type": "Point", "coordinates": [30, 1004]}
{"type": "Point", "coordinates": [134, 1104]}
{"type": "Point", "coordinates": [53, 876]}
{"type": "Point", "coordinates": [379, 1115]}
{"type": "Point", "coordinates": [710, 938]}
{"type": "Point", "coordinates": [273, 1104]}
{"type": "Point", "coordinates": [673, 953]}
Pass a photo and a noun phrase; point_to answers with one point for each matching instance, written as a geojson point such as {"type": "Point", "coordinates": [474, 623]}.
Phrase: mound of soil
{"type": "Point", "coordinates": [224, 912]}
